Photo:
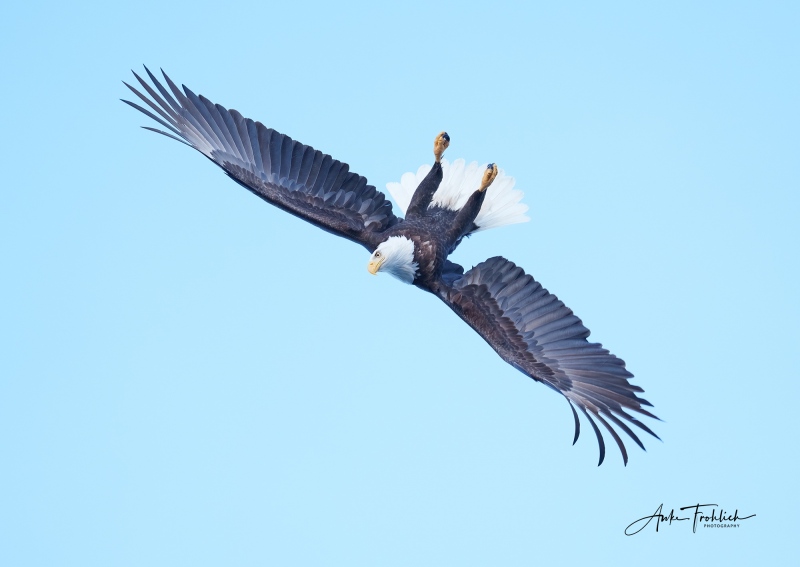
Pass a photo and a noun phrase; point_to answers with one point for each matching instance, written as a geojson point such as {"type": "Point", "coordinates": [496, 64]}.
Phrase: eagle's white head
{"type": "Point", "coordinates": [394, 255]}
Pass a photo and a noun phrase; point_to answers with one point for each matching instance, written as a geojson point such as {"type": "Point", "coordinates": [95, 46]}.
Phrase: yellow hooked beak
{"type": "Point", "coordinates": [375, 265]}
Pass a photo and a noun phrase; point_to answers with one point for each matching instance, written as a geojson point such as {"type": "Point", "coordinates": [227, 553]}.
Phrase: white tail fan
{"type": "Point", "coordinates": [502, 205]}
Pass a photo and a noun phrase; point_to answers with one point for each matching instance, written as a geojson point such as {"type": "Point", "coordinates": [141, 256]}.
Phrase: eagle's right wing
{"type": "Point", "coordinates": [535, 332]}
{"type": "Point", "coordinates": [290, 175]}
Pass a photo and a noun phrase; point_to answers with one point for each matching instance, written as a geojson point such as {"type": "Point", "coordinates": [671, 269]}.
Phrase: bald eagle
{"type": "Point", "coordinates": [527, 326]}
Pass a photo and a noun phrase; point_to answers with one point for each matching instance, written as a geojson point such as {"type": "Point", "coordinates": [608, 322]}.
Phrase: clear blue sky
{"type": "Point", "coordinates": [191, 377]}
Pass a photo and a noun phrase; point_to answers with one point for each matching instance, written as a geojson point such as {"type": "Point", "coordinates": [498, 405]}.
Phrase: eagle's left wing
{"type": "Point", "coordinates": [282, 171]}
{"type": "Point", "coordinates": [535, 332]}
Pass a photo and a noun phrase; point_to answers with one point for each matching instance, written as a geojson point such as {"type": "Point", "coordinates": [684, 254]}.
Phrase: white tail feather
{"type": "Point", "coordinates": [502, 205]}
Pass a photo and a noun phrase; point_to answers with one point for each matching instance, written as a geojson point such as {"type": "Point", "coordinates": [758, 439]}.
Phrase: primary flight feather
{"type": "Point", "coordinates": [527, 326]}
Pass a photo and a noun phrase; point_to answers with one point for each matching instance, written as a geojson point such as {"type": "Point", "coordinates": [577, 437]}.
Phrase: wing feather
{"type": "Point", "coordinates": [244, 136]}
{"type": "Point", "coordinates": [535, 332]}
{"type": "Point", "coordinates": [168, 135]}
{"type": "Point", "coordinates": [148, 113]}
{"type": "Point", "coordinates": [280, 170]}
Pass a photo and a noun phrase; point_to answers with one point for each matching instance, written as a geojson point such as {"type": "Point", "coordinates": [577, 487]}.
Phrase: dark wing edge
{"type": "Point", "coordinates": [534, 331]}
{"type": "Point", "coordinates": [293, 176]}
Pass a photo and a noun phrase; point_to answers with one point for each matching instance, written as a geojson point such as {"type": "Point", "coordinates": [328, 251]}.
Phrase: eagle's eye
{"type": "Point", "coordinates": [377, 254]}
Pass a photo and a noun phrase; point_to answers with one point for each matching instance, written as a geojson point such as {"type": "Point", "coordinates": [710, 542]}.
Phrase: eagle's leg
{"type": "Point", "coordinates": [424, 194]}
{"type": "Point", "coordinates": [463, 223]}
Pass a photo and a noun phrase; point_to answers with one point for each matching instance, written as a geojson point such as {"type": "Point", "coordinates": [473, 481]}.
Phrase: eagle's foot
{"type": "Point", "coordinates": [440, 145]}
{"type": "Point", "coordinates": [488, 176]}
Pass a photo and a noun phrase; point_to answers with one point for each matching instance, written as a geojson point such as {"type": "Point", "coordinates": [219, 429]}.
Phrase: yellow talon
{"type": "Point", "coordinates": [488, 176]}
{"type": "Point", "coordinates": [440, 144]}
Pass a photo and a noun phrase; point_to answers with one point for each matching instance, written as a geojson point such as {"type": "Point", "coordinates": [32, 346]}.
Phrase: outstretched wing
{"type": "Point", "coordinates": [290, 175]}
{"type": "Point", "coordinates": [535, 332]}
